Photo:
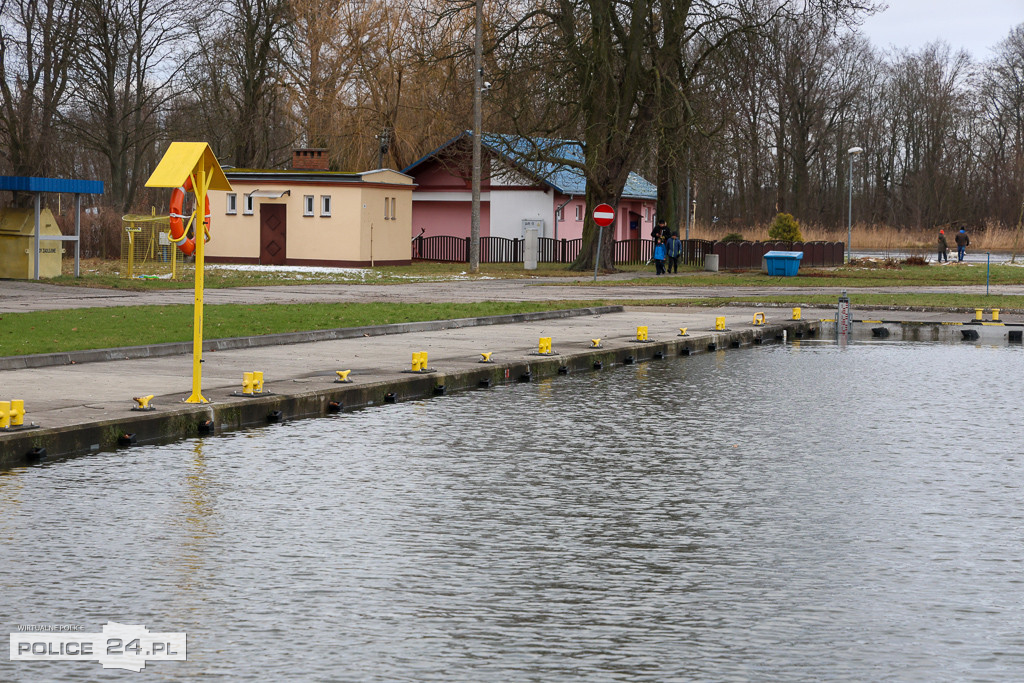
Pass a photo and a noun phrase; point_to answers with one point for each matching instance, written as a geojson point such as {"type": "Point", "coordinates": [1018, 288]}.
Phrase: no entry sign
{"type": "Point", "coordinates": [604, 215]}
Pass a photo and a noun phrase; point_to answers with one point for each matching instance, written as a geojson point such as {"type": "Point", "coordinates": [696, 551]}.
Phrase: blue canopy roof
{"type": "Point", "coordinates": [28, 184]}
{"type": "Point", "coordinates": [523, 153]}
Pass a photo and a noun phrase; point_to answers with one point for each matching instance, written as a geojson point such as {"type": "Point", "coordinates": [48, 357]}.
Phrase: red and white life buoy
{"type": "Point", "coordinates": [186, 244]}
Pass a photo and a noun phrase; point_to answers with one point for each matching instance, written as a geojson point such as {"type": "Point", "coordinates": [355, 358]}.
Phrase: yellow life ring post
{"type": "Point", "coordinates": [196, 163]}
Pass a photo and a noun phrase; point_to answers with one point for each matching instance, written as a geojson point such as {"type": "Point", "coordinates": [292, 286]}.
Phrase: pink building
{"type": "Point", "coordinates": [517, 191]}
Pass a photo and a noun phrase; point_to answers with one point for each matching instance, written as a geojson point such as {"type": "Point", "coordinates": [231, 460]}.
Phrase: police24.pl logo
{"type": "Point", "coordinates": [119, 646]}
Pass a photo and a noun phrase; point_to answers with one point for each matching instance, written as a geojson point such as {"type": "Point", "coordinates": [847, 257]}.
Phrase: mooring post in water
{"type": "Point", "coordinates": [843, 319]}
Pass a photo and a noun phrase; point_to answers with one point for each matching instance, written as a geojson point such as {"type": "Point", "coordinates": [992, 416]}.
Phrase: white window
{"type": "Point", "coordinates": [579, 212]}
{"type": "Point", "coordinates": [232, 207]}
{"type": "Point", "coordinates": [249, 201]}
{"type": "Point", "coordinates": [387, 206]}
{"type": "Point", "coordinates": [394, 216]}
{"type": "Point", "coordinates": [560, 214]}
{"type": "Point", "coordinates": [307, 205]}
{"type": "Point", "coordinates": [325, 205]}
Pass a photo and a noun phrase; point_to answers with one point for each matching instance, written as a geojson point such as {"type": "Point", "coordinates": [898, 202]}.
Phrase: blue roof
{"type": "Point", "coordinates": [523, 153]}
{"type": "Point", "coordinates": [27, 184]}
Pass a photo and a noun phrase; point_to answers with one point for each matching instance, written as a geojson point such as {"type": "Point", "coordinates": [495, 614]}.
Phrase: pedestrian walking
{"type": "Point", "coordinates": [674, 249]}
{"type": "Point", "coordinates": [659, 257]}
{"type": "Point", "coordinates": [943, 247]}
{"type": "Point", "coordinates": [962, 241]}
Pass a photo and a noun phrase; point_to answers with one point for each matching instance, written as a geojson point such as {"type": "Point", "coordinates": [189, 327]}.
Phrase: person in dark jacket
{"type": "Point", "coordinates": [660, 231]}
{"type": "Point", "coordinates": [962, 240]}
{"type": "Point", "coordinates": [943, 247]}
{"type": "Point", "coordinates": [674, 249]}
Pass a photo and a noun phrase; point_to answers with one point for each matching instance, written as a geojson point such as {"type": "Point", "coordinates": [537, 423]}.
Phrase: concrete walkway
{"type": "Point", "coordinates": [22, 296]}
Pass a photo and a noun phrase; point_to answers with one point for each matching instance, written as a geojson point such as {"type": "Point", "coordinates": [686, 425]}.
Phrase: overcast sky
{"type": "Point", "coordinates": [975, 25]}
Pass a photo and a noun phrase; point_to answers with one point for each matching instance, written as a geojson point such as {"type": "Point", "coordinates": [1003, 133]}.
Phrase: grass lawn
{"type": "Point", "coordinates": [845, 276]}
{"type": "Point", "coordinates": [98, 328]}
{"type": "Point", "coordinates": [105, 274]}
{"type": "Point", "coordinates": [942, 302]}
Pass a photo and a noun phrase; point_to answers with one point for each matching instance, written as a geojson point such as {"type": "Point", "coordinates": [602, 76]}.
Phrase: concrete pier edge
{"type": "Point", "coordinates": [186, 421]}
{"type": "Point", "coordinates": [41, 360]}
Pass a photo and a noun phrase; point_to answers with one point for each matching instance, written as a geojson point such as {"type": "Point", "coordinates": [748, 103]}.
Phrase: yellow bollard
{"type": "Point", "coordinates": [641, 333]}
{"type": "Point", "coordinates": [5, 414]}
{"type": "Point", "coordinates": [796, 313]}
{"type": "Point", "coordinates": [257, 382]}
{"type": "Point", "coordinates": [720, 322]}
{"type": "Point", "coordinates": [416, 362]}
{"type": "Point", "coordinates": [423, 360]}
{"type": "Point", "coordinates": [247, 382]}
{"type": "Point", "coordinates": [595, 343]}
{"type": "Point", "coordinates": [17, 412]}
{"type": "Point", "coordinates": [682, 331]}
{"type": "Point", "coordinates": [143, 402]}
{"type": "Point", "coordinates": [995, 315]}
{"type": "Point", "coordinates": [759, 318]}
{"type": "Point", "coordinates": [342, 375]}
{"type": "Point", "coordinates": [485, 356]}
{"type": "Point", "coordinates": [979, 313]}
{"type": "Point", "coordinates": [544, 345]}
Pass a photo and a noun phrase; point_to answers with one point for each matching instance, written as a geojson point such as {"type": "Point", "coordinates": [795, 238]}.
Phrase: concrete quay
{"type": "Point", "coordinates": [86, 407]}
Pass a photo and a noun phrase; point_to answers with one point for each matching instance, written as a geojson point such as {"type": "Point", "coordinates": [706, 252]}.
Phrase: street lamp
{"type": "Point", "coordinates": [853, 151]}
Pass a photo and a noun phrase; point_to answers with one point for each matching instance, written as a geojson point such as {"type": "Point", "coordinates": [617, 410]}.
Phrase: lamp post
{"type": "Point", "coordinates": [478, 74]}
{"type": "Point", "coordinates": [853, 151]}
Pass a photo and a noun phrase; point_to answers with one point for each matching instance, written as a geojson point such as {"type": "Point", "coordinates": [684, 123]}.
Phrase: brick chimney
{"type": "Point", "coordinates": [310, 160]}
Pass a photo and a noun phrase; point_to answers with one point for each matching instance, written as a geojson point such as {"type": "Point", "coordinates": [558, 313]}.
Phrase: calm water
{"type": "Point", "coordinates": [780, 513]}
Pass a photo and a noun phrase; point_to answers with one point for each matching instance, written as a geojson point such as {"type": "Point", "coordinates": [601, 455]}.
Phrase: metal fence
{"type": "Point", "coordinates": [451, 249]}
{"type": "Point", "coordinates": [146, 250]}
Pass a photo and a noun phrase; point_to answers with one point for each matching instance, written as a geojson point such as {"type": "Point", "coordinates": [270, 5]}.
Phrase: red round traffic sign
{"type": "Point", "coordinates": [604, 215]}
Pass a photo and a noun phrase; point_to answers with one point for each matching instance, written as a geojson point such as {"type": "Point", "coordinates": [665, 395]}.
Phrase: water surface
{"type": "Point", "coordinates": [799, 512]}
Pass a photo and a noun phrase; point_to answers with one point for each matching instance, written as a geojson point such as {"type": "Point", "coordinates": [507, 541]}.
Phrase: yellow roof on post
{"type": "Point", "coordinates": [184, 158]}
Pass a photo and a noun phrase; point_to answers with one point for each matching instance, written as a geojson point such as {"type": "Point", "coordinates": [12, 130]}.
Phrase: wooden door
{"type": "Point", "coordinates": [273, 232]}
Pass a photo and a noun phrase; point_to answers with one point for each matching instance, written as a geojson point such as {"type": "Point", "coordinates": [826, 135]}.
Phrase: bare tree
{"type": "Point", "coordinates": [39, 41]}
{"type": "Point", "coordinates": [123, 78]}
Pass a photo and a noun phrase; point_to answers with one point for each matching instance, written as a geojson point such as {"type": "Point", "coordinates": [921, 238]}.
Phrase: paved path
{"type": "Point", "coordinates": [20, 296]}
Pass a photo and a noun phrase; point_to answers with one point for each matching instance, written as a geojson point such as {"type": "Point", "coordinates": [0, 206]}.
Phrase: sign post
{"type": "Point", "coordinates": [195, 161]}
{"type": "Point", "coordinates": [604, 215]}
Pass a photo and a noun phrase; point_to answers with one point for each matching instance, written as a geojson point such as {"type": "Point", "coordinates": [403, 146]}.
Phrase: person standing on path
{"type": "Point", "coordinates": [962, 240]}
{"type": "Point", "coordinates": [674, 248]}
{"type": "Point", "coordinates": [943, 247]}
{"type": "Point", "coordinates": [659, 257]}
{"type": "Point", "coordinates": [660, 231]}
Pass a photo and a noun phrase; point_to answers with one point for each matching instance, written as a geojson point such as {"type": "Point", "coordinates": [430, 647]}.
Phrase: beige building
{"type": "Point", "coordinates": [311, 216]}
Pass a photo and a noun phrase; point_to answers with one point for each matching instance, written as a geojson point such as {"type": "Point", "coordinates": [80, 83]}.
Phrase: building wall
{"type": "Point", "coordinates": [510, 207]}
{"type": "Point", "coordinates": [448, 214]}
{"type": "Point", "coordinates": [233, 235]}
{"type": "Point", "coordinates": [442, 205]}
{"type": "Point", "coordinates": [343, 238]}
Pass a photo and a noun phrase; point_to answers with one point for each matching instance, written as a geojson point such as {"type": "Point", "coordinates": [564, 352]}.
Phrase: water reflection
{"type": "Point", "coordinates": [779, 513]}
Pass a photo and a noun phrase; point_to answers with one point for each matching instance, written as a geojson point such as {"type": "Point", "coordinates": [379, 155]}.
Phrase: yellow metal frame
{"type": "Point", "coordinates": [197, 161]}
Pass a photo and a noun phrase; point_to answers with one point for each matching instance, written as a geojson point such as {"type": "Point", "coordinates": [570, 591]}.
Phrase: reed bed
{"type": "Point", "coordinates": [883, 238]}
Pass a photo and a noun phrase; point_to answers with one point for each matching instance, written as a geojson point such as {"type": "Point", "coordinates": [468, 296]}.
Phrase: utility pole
{"type": "Point", "coordinates": [478, 77]}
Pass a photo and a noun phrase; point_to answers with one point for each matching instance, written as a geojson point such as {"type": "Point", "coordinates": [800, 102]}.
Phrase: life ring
{"type": "Point", "coordinates": [179, 228]}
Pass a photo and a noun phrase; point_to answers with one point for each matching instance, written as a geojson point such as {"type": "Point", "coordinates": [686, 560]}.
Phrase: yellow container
{"type": "Point", "coordinates": [17, 244]}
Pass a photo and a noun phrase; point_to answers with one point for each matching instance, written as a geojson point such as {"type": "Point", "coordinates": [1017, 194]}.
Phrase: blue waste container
{"type": "Point", "coordinates": [784, 263]}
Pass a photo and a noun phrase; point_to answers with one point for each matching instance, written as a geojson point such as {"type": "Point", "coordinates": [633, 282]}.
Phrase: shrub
{"type": "Point", "coordinates": [785, 228]}
{"type": "Point", "coordinates": [732, 237]}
